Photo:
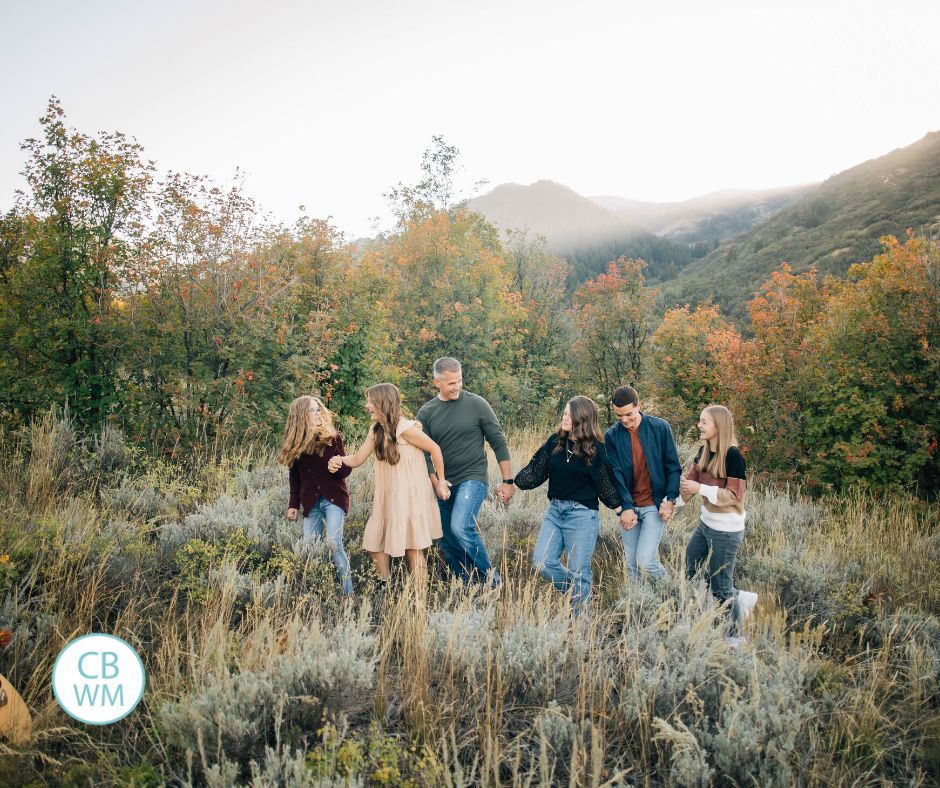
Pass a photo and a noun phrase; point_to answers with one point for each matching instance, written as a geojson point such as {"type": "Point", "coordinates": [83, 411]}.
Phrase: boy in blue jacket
{"type": "Point", "coordinates": [646, 469]}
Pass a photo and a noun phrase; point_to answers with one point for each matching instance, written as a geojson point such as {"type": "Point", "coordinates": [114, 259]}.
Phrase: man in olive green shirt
{"type": "Point", "coordinates": [458, 422]}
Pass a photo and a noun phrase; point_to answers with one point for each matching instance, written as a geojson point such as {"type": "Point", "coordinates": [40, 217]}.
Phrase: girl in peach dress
{"type": "Point", "coordinates": [405, 518]}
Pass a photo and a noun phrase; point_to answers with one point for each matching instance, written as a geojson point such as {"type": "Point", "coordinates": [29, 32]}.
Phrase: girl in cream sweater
{"type": "Point", "coordinates": [718, 475]}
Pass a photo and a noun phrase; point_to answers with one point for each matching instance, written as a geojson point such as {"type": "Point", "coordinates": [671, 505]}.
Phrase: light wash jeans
{"type": "Point", "coordinates": [721, 550]}
{"type": "Point", "coordinates": [462, 544]}
{"type": "Point", "coordinates": [324, 511]}
{"type": "Point", "coordinates": [641, 544]}
{"type": "Point", "coordinates": [572, 528]}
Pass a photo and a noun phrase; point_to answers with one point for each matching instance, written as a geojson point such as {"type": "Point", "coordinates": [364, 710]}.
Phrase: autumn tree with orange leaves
{"type": "Point", "coordinates": [873, 417]}
{"type": "Point", "coordinates": [614, 319]}
{"type": "Point", "coordinates": [693, 349]}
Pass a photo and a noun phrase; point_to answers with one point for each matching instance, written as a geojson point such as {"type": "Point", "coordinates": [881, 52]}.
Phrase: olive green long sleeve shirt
{"type": "Point", "coordinates": [459, 427]}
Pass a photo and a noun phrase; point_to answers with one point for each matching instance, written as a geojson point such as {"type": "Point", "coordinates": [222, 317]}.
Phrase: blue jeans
{"type": "Point", "coordinates": [572, 528]}
{"type": "Point", "coordinates": [334, 516]}
{"type": "Point", "coordinates": [641, 544]}
{"type": "Point", "coordinates": [721, 550]}
{"type": "Point", "coordinates": [462, 544]}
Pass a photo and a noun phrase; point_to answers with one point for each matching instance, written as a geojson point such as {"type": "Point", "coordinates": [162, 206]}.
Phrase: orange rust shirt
{"type": "Point", "coordinates": [642, 485]}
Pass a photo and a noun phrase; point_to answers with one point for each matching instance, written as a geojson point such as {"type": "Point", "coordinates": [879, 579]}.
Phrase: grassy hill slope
{"type": "Point", "coordinates": [838, 224]}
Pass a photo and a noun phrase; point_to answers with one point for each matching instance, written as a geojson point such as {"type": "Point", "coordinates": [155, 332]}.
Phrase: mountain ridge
{"type": "Point", "coordinates": [835, 225]}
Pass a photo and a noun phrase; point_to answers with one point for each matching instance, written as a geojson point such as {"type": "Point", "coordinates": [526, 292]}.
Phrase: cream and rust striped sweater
{"type": "Point", "coordinates": [722, 499]}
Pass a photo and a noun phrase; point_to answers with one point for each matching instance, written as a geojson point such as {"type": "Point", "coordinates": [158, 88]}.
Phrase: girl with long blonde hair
{"type": "Point", "coordinates": [405, 518]}
{"type": "Point", "coordinates": [718, 475]}
{"type": "Point", "coordinates": [310, 442]}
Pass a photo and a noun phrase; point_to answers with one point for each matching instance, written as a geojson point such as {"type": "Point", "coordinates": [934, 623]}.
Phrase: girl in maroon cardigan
{"type": "Point", "coordinates": [310, 440]}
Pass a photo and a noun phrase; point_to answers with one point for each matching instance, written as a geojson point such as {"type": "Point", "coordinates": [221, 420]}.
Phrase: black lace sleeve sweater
{"type": "Point", "coordinates": [569, 477]}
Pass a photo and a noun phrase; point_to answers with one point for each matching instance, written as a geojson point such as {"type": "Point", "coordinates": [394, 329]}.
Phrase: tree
{"type": "Point", "coordinates": [874, 417]}
{"type": "Point", "coordinates": [769, 377]}
{"type": "Point", "coordinates": [691, 363]}
{"type": "Point", "coordinates": [66, 249]}
{"type": "Point", "coordinates": [207, 319]}
{"type": "Point", "coordinates": [340, 309]}
{"type": "Point", "coordinates": [612, 314]}
{"type": "Point", "coordinates": [453, 296]}
{"type": "Point", "coordinates": [542, 377]}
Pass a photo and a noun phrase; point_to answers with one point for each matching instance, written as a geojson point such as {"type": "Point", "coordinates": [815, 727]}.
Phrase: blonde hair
{"type": "Point", "coordinates": [300, 436]}
{"type": "Point", "coordinates": [714, 462]}
{"type": "Point", "coordinates": [386, 399]}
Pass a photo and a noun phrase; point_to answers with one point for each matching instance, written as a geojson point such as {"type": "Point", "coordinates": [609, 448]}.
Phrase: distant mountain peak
{"type": "Point", "coordinates": [553, 210]}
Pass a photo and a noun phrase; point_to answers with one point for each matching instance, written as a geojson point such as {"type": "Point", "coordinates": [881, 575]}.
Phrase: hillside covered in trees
{"type": "Point", "coordinates": [838, 224]}
{"type": "Point", "coordinates": [722, 246]}
{"type": "Point", "coordinates": [154, 329]}
{"type": "Point", "coordinates": [168, 307]}
{"type": "Point", "coordinates": [582, 232]}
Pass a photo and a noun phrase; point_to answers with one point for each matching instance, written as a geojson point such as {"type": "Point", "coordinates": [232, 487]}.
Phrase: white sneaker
{"type": "Point", "coordinates": [746, 603]}
{"type": "Point", "coordinates": [735, 642]}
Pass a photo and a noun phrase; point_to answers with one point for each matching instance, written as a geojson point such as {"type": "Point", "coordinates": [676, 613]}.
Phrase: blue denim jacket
{"type": "Point", "coordinates": [662, 459]}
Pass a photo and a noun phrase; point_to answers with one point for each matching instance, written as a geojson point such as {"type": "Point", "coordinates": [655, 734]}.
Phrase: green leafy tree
{"type": "Point", "coordinates": [874, 417]}
{"type": "Point", "coordinates": [453, 296]}
{"type": "Point", "coordinates": [206, 319]}
{"type": "Point", "coordinates": [542, 379]}
{"type": "Point", "coordinates": [66, 250]}
{"type": "Point", "coordinates": [338, 318]}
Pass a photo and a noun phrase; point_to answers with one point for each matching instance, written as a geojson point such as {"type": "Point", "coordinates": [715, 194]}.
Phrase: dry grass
{"type": "Point", "coordinates": [258, 675]}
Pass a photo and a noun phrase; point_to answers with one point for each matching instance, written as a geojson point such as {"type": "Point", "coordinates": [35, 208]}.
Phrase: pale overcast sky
{"type": "Point", "coordinates": [327, 104]}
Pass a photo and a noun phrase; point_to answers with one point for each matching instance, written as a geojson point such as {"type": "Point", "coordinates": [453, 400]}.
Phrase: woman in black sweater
{"type": "Point", "coordinates": [574, 462]}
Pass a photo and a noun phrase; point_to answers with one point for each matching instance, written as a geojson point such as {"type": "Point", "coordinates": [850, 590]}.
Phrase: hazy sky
{"type": "Point", "coordinates": [327, 104]}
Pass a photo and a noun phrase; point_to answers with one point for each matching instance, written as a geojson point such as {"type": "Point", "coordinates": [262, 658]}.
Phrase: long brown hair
{"type": "Point", "coordinates": [585, 430]}
{"type": "Point", "coordinates": [300, 436]}
{"type": "Point", "coordinates": [386, 399]}
{"type": "Point", "coordinates": [713, 462]}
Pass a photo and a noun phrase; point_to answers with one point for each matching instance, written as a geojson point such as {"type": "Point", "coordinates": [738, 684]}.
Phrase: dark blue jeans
{"type": "Point", "coordinates": [720, 548]}
{"type": "Point", "coordinates": [462, 544]}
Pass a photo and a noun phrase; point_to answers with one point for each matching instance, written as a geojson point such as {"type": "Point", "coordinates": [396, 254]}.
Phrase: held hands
{"type": "Point", "coordinates": [666, 509]}
{"type": "Point", "coordinates": [335, 463]}
{"type": "Point", "coordinates": [292, 514]}
{"type": "Point", "coordinates": [688, 488]}
{"type": "Point", "coordinates": [441, 488]}
{"type": "Point", "coordinates": [504, 492]}
{"type": "Point", "coordinates": [627, 519]}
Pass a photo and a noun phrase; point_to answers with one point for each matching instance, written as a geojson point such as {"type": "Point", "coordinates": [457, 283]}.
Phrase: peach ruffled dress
{"type": "Point", "coordinates": [405, 514]}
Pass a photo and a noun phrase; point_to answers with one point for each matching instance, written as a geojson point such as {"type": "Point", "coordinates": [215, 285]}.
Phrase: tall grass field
{"type": "Point", "coordinates": [258, 674]}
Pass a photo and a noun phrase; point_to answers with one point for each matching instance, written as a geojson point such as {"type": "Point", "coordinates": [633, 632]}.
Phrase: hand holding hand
{"type": "Point", "coordinates": [504, 492]}
{"type": "Point", "coordinates": [292, 514]}
{"type": "Point", "coordinates": [441, 488]}
{"type": "Point", "coordinates": [689, 488]}
{"type": "Point", "coordinates": [627, 519]}
{"type": "Point", "coordinates": [666, 509]}
{"type": "Point", "coordinates": [335, 464]}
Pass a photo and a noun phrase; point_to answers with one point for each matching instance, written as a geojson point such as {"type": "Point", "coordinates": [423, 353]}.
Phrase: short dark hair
{"type": "Point", "coordinates": [625, 395]}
